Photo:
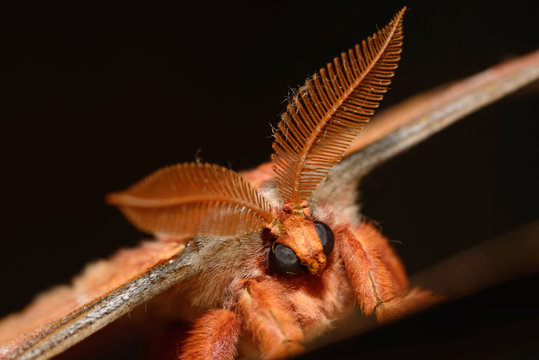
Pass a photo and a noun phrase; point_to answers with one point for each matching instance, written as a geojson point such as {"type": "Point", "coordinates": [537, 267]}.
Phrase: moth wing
{"type": "Point", "coordinates": [415, 119]}
{"type": "Point", "coordinates": [407, 124]}
{"type": "Point", "coordinates": [105, 290]}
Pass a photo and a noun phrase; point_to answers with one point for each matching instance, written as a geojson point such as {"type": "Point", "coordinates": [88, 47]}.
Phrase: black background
{"type": "Point", "coordinates": [94, 98]}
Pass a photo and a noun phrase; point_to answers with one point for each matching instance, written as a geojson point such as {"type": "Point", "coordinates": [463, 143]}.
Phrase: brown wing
{"type": "Point", "coordinates": [414, 120]}
{"type": "Point", "coordinates": [406, 124]}
{"type": "Point", "coordinates": [105, 291]}
{"type": "Point", "coordinates": [448, 103]}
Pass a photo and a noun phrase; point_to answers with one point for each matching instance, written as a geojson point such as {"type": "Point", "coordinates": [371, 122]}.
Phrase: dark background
{"type": "Point", "coordinates": [94, 98]}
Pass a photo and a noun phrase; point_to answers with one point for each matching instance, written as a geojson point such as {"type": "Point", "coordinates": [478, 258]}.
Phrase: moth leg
{"type": "Point", "coordinates": [266, 314]}
{"type": "Point", "coordinates": [214, 336]}
{"type": "Point", "coordinates": [377, 275]}
{"type": "Point", "coordinates": [416, 299]}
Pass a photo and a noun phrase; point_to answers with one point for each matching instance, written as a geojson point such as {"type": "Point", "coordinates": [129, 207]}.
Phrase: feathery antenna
{"type": "Point", "coordinates": [330, 110]}
{"type": "Point", "coordinates": [193, 199]}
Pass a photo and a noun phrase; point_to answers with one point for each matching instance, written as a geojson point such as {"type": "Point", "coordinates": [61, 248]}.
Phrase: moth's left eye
{"type": "Point", "coordinates": [283, 260]}
{"type": "Point", "coordinates": [325, 235]}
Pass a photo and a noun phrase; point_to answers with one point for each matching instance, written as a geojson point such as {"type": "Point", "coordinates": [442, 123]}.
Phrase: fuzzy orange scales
{"type": "Point", "coordinates": [194, 199]}
{"type": "Point", "coordinates": [331, 109]}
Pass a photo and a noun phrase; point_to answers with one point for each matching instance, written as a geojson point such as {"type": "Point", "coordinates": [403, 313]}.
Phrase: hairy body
{"type": "Point", "coordinates": [278, 313]}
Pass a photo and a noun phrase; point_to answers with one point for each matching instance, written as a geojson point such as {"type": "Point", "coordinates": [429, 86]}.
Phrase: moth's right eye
{"type": "Point", "coordinates": [326, 236]}
{"type": "Point", "coordinates": [283, 260]}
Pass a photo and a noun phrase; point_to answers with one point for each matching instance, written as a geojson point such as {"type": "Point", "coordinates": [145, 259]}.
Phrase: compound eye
{"type": "Point", "coordinates": [325, 235]}
{"type": "Point", "coordinates": [283, 260]}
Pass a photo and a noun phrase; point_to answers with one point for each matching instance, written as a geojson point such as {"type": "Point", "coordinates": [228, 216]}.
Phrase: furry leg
{"type": "Point", "coordinates": [415, 300]}
{"type": "Point", "coordinates": [214, 336]}
{"type": "Point", "coordinates": [377, 275]}
{"type": "Point", "coordinates": [266, 314]}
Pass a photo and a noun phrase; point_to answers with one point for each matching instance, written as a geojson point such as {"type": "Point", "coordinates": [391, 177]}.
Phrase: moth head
{"type": "Point", "coordinates": [301, 243]}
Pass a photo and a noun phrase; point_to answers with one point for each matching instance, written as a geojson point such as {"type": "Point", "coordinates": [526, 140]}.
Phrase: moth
{"type": "Point", "coordinates": [284, 231]}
